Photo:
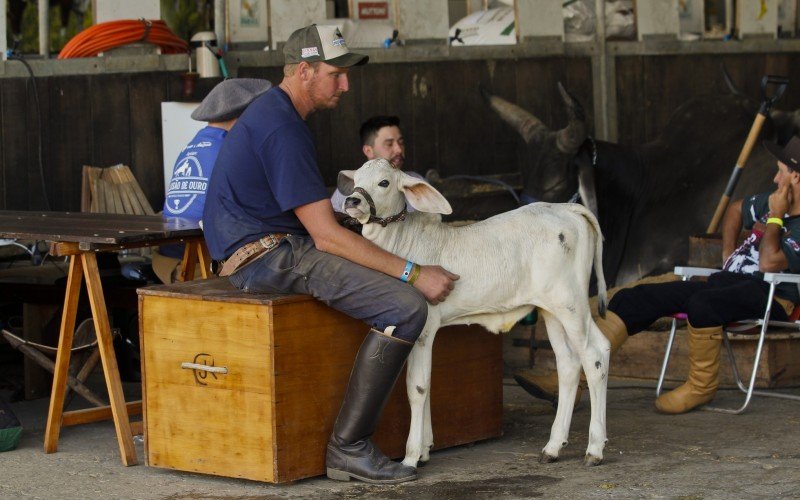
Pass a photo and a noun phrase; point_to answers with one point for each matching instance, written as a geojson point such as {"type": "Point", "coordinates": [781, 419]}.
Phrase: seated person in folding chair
{"type": "Point", "coordinates": [186, 194]}
{"type": "Point", "coordinates": [735, 293]}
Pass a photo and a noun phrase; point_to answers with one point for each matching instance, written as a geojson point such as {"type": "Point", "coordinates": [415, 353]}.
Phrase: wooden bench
{"type": "Point", "coordinates": [246, 385]}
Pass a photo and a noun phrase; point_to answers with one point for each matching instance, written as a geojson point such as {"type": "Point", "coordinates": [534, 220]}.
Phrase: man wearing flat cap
{"type": "Point", "coordinates": [186, 193]}
{"type": "Point", "coordinates": [736, 293]}
{"type": "Point", "coordinates": [269, 218]}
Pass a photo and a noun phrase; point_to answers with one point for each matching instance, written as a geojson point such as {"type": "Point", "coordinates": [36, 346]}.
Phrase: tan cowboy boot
{"type": "Point", "coordinates": [546, 386]}
{"type": "Point", "coordinates": [701, 384]}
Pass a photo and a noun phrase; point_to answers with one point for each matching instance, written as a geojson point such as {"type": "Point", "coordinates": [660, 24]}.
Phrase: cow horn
{"type": "Point", "coordinates": [570, 138]}
{"type": "Point", "coordinates": [528, 126]}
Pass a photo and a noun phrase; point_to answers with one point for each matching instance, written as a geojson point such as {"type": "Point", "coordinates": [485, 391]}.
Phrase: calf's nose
{"type": "Point", "coordinates": [351, 202]}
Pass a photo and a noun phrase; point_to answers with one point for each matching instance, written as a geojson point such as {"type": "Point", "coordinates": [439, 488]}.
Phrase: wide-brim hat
{"type": "Point", "coordinates": [229, 98]}
{"type": "Point", "coordinates": [165, 267]}
{"type": "Point", "coordinates": [788, 155]}
{"type": "Point", "coordinates": [321, 43]}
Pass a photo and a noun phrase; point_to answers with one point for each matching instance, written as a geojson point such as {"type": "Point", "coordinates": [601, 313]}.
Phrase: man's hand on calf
{"type": "Point", "coordinates": [435, 283]}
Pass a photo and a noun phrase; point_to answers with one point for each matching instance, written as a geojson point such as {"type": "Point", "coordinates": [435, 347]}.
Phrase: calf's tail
{"type": "Point", "coordinates": [602, 297]}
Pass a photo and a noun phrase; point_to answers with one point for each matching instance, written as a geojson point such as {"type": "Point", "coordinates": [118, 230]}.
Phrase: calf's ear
{"type": "Point", "coordinates": [423, 197]}
{"type": "Point", "coordinates": [345, 183]}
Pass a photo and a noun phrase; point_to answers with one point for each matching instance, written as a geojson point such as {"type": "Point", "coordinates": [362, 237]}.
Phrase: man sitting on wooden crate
{"type": "Point", "coordinates": [269, 217]}
{"type": "Point", "coordinates": [186, 194]}
{"type": "Point", "coordinates": [735, 293]}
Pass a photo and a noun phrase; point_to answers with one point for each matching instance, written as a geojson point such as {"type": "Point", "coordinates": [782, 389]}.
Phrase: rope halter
{"type": "Point", "coordinates": [373, 214]}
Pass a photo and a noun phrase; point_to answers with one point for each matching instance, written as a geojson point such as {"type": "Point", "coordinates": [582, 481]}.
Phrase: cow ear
{"type": "Point", "coordinates": [422, 196]}
{"type": "Point", "coordinates": [345, 183]}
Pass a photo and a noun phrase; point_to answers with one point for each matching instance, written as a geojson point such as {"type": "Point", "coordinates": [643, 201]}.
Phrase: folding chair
{"type": "Point", "coordinates": [85, 340]}
{"type": "Point", "coordinates": [739, 328]}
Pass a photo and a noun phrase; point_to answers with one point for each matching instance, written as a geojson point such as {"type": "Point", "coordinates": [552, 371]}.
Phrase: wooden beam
{"type": "Point", "coordinates": [105, 340]}
{"type": "Point", "coordinates": [74, 279]}
{"type": "Point", "coordinates": [99, 414]}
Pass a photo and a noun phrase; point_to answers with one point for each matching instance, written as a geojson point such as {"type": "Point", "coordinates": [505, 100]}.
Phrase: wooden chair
{"type": "Point", "coordinates": [758, 328]}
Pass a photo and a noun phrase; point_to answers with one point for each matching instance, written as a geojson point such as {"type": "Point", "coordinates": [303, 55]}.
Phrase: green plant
{"type": "Point", "coordinates": [29, 43]}
{"type": "Point", "coordinates": [187, 17]}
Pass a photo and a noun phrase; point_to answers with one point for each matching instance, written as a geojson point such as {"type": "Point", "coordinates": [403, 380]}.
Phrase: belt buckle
{"type": "Point", "coordinates": [273, 241]}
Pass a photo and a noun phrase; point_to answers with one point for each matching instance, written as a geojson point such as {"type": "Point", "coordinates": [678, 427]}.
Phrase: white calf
{"type": "Point", "coordinates": [539, 255]}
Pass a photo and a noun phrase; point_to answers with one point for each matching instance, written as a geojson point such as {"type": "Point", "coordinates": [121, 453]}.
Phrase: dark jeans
{"type": "Point", "coordinates": [725, 297]}
{"type": "Point", "coordinates": [296, 266]}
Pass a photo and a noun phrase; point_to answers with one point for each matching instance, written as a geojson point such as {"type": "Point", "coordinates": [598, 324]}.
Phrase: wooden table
{"type": "Point", "coordinates": [80, 235]}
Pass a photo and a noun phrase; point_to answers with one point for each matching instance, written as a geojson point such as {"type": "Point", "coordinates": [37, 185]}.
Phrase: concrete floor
{"type": "Point", "coordinates": [692, 456]}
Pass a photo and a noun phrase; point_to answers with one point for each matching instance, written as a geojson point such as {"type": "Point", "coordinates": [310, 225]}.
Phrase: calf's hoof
{"type": "Point", "coordinates": [546, 458]}
{"type": "Point", "coordinates": [415, 464]}
{"type": "Point", "coordinates": [591, 460]}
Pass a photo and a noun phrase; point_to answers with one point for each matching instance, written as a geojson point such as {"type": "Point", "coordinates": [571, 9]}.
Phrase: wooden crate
{"type": "Point", "coordinates": [288, 358]}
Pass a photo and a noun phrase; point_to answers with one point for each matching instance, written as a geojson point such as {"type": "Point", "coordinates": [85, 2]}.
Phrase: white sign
{"type": "Point", "coordinates": [112, 10]}
{"type": "Point", "coordinates": [248, 20]}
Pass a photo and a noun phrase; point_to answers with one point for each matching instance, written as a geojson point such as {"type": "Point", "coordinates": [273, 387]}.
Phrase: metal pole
{"type": "Point", "coordinates": [44, 28]}
{"type": "Point", "coordinates": [599, 67]}
{"type": "Point", "coordinates": [3, 30]}
{"type": "Point", "coordinates": [219, 23]}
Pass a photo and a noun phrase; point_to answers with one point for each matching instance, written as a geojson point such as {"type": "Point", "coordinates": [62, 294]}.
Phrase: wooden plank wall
{"type": "Point", "coordinates": [650, 88]}
{"type": "Point", "coordinates": [102, 120]}
{"type": "Point", "coordinates": [98, 120]}
{"type": "Point", "coordinates": [446, 124]}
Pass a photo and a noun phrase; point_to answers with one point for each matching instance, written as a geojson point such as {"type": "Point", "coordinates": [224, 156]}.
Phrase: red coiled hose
{"type": "Point", "coordinates": [104, 36]}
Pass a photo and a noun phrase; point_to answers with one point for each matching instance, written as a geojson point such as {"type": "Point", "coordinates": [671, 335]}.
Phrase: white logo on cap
{"type": "Point", "coordinates": [338, 39]}
{"type": "Point", "coordinates": [309, 52]}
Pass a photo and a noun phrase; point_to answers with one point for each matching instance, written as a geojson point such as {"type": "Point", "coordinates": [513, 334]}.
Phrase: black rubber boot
{"type": "Point", "coordinates": [351, 452]}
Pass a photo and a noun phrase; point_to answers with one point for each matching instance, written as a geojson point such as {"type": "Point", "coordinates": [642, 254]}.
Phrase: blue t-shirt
{"type": "Point", "coordinates": [266, 168]}
{"type": "Point", "coordinates": [186, 193]}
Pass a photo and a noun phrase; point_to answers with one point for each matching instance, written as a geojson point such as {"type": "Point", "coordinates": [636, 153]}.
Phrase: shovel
{"type": "Point", "coordinates": [766, 104]}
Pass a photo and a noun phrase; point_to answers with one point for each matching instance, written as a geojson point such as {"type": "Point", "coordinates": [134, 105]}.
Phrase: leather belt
{"type": "Point", "coordinates": [250, 252]}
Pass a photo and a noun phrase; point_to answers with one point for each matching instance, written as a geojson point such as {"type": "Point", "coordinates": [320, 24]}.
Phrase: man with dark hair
{"type": "Point", "coordinates": [381, 138]}
{"type": "Point", "coordinates": [737, 292]}
{"type": "Point", "coordinates": [269, 217]}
